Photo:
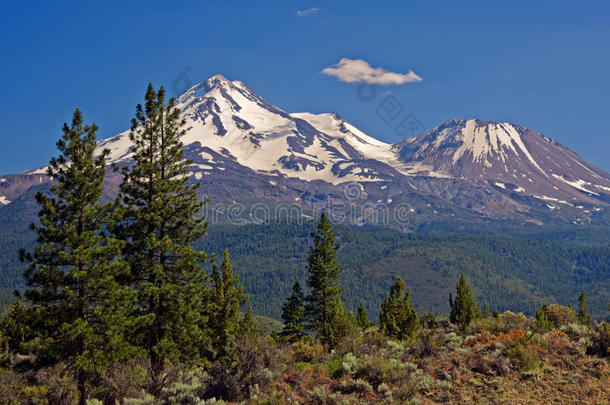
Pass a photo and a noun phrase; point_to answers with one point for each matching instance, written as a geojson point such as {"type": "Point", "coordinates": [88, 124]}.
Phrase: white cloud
{"type": "Point", "coordinates": [358, 70]}
{"type": "Point", "coordinates": [308, 13]}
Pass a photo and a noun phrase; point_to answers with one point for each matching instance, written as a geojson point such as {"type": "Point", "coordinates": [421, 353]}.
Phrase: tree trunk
{"type": "Point", "coordinates": [156, 364]}
{"type": "Point", "coordinates": [83, 388]}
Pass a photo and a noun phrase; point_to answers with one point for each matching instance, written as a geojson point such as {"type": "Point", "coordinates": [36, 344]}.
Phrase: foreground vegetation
{"type": "Point", "coordinates": [508, 359]}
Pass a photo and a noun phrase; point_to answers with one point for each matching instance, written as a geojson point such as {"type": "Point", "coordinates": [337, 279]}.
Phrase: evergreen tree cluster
{"type": "Point", "coordinates": [110, 281]}
{"type": "Point", "coordinates": [323, 311]}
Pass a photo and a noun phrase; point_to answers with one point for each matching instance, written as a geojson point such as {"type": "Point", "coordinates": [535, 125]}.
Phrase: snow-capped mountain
{"type": "Point", "coordinates": [244, 148]}
{"type": "Point", "coordinates": [228, 122]}
{"type": "Point", "coordinates": [513, 157]}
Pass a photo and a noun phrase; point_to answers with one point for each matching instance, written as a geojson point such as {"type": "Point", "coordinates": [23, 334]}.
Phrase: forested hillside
{"type": "Point", "coordinates": [514, 273]}
{"type": "Point", "coordinates": [517, 273]}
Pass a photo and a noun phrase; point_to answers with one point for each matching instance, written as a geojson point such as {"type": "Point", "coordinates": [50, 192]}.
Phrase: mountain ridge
{"type": "Point", "coordinates": [487, 168]}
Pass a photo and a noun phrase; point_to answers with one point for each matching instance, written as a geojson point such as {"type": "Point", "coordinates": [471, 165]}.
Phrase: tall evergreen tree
{"type": "Point", "coordinates": [583, 311]}
{"type": "Point", "coordinates": [362, 319]}
{"type": "Point", "coordinates": [324, 310]}
{"type": "Point", "coordinates": [73, 268]}
{"type": "Point", "coordinates": [397, 318]}
{"type": "Point", "coordinates": [485, 310]}
{"type": "Point", "coordinates": [542, 321]}
{"type": "Point", "coordinates": [160, 221]}
{"type": "Point", "coordinates": [465, 307]}
{"type": "Point", "coordinates": [292, 315]}
{"type": "Point", "coordinates": [227, 297]}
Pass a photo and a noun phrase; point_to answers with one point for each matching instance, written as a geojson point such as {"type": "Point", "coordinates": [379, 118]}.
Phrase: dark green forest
{"type": "Point", "coordinates": [518, 273]}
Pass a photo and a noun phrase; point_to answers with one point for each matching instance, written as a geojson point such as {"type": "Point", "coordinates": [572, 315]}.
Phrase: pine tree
{"type": "Point", "coordinates": [324, 310]}
{"type": "Point", "coordinates": [292, 315]}
{"type": "Point", "coordinates": [17, 324]}
{"type": "Point", "coordinates": [247, 328]}
{"type": "Point", "coordinates": [397, 318]}
{"type": "Point", "coordinates": [73, 269]}
{"type": "Point", "coordinates": [495, 313]}
{"type": "Point", "coordinates": [161, 219]}
{"type": "Point", "coordinates": [485, 310]}
{"type": "Point", "coordinates": [362, 319]}
{"type": "Point", "coordinates": [583, 316]}
{"type": "Point", "coordinates": [464, 308]}
{"type": "Point", "coordinates": [542, 321]}
{"type": "Point", "coordinates": [227, 297]}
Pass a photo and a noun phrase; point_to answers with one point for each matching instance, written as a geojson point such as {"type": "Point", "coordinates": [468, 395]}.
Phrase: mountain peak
{"type": "Point", "coordinates": [479, 142]}
{"type": "Point", "coordinates": [217, 80]}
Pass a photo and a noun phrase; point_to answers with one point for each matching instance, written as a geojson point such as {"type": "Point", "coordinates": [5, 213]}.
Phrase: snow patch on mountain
{"type": "Point", "coordinates": [482, 141]}
{"type": "Point", "coordinates": [580, 184]}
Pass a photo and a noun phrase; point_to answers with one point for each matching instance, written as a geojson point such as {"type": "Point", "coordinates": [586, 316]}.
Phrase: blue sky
{"type": "Point", "coordinates": [545, 65]}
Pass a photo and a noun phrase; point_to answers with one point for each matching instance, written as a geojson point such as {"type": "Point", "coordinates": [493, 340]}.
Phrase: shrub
{"type": "Point", "coordinates": [52, 385]}
{"type": "Point", "coordinates": [543, 323]}
{"type": "Point", "coordinates": [145, 399]}
{"type": "Point", "coordinates": [600, 342]}
{"type": "Point", "coordinates": [560, 343]}
{"type": "Point", "coordinates": [479, 326]}
{"type": "Point", "coordinates": [12, 387]}
{"type": "Point", "coordinates": [510, 320]}
{"type": "Point", "coordinates": [358, 386]}
{"type": "Point", "coordinates": [319, 395]}
{"type": "Point", "coordinates": [384, 390]}
{"type": "Point", "coordinates": [121, 380]}
{"type": "Point", "coordinates": [486, 364]}
{"type": "Point", "coordinates": [503, 323]}
{"type": "Point", "coordinates": [452, 339]}
{"type": "Point", "coordinates": [188, 389]}
{"type": "Point", "coordinates": [560, 315]}
{"type": "Point", "coordinates": [417, 382]}
{"type": "Point", "coordinates": [393, 348]}
{"type": "Point", "coordinates": [427, 320]}
{"type": "Point", "coordinates": [377, 370]}
{"type": "Point", "coordinates": [334, 368]}
{"type": "Point", "coordinates": [350, 363]}
{"type": "Point", "coordinates": [427, 343]}
{"type": "Point", "coordinates": [307, 351]}
{"type": "Point", "coordinates": [521, 354]}
{"type": "Point", "coordinates": [235, 380]}
{"type": "Point", "coordinates": [373, 337]}
{"type": "Point", "coordinates": [540, 340]}
{"type": "Point", "coordinates": [576, 331]}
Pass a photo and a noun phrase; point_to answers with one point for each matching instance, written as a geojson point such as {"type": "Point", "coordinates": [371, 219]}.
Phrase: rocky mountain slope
{"type": "Point", "coordinates": [245, 149]}
{"type": "Point", "coordinates": [513, 157]}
